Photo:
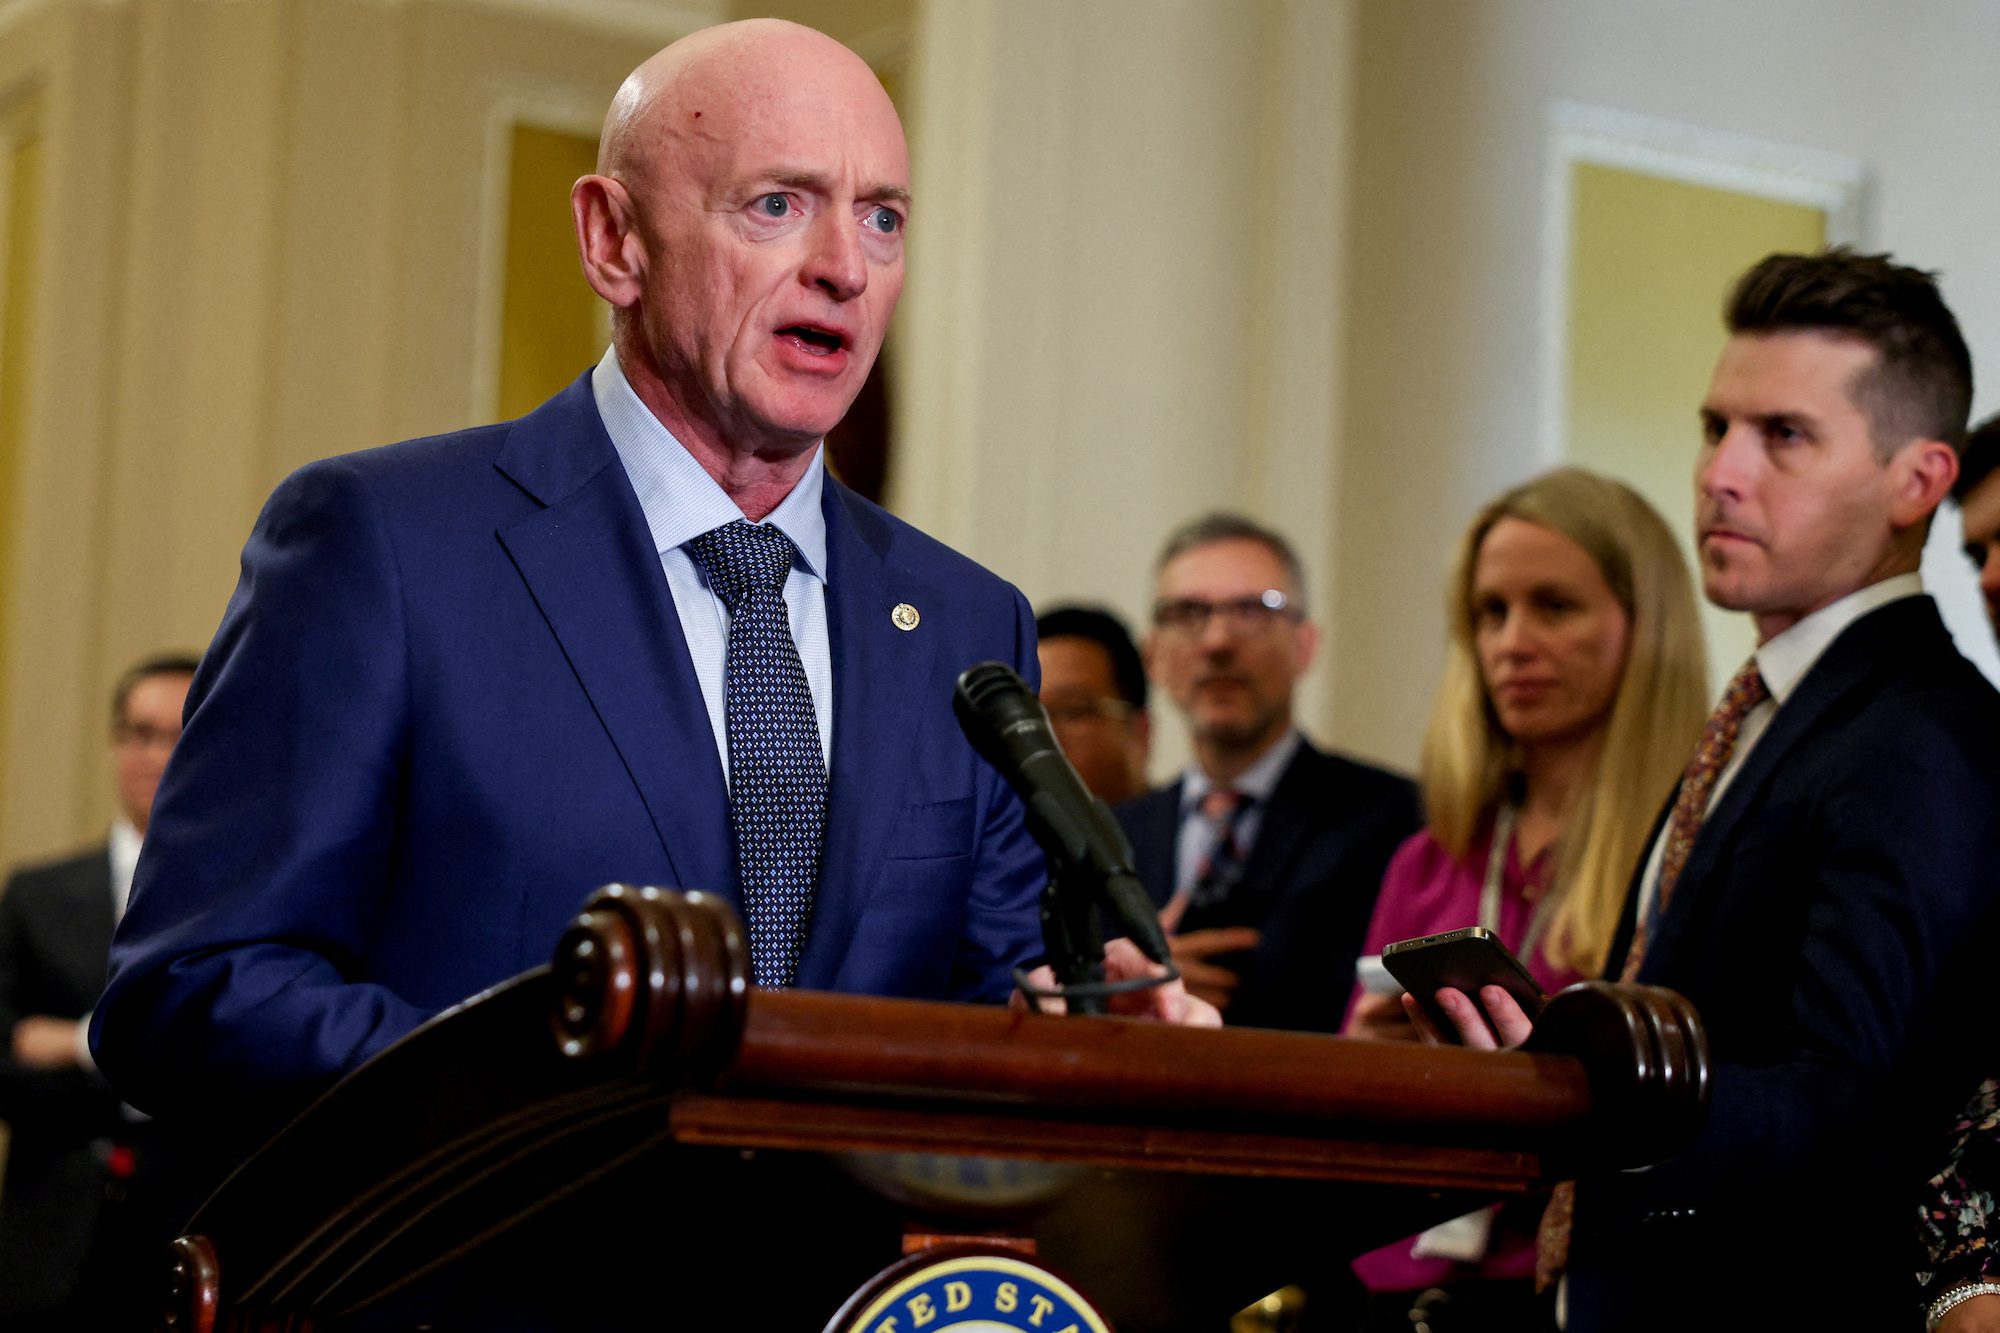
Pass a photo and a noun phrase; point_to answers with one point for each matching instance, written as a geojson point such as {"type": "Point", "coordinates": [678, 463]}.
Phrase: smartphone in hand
{"type": "Point", "coordinates": [1467, 959]}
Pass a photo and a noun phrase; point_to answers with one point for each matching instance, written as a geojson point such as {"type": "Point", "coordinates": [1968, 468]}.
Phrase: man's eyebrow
{"type": "Point", "coordinates": [812, 180]}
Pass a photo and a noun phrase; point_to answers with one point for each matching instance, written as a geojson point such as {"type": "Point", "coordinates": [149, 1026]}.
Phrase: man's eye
{"type": "Point", "coordinates": [774, 205]}
{"type": "Point", "coordinates": [885, 220]}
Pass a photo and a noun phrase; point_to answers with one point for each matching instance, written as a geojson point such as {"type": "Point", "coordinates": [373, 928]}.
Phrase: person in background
{"type": "Point", "coordinates": [1978, 494]}
{"type": "Point", "coordinates": [1961, 1277]}
{"type": "Point", "coordinates": [1094, 688]}
{"type": "Point", "coordinates": [68, 1218]}
{"type": "Point", "coordinates": [1265, 855]}
{"type": "Point", "coordinates": [1574, 686]}
{"type": "Point", "coordinates": [1822, 889]}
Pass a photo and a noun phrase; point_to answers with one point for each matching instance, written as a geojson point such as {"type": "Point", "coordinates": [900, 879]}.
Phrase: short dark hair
{"type": "Point", "coordinates": [1920, 387]}
{"type": "Point", "coordinates": [160, 664]}
{"type": "Point", "coordinates": [1223, 526]}
{"type": "Point", "coordinates": [1980, 458]}
{"type": "Point", "coordinates": [1107, 631]}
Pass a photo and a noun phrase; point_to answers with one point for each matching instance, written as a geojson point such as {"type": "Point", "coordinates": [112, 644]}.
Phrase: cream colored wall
{"type": "Point", "coordinates": [1451, 120]}
{"type": "Point", "coordinates": [279, 241]}
{"type": "Point", "coordinates": [1125, 288]}
{"type": "Point", "coordinates": [1168, 254]}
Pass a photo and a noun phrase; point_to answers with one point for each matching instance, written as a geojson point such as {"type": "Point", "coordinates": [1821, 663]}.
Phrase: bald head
{"type": "Point", "coordinates": [717, 74]}
{"type": "Point", "coordinates": [746, 224]}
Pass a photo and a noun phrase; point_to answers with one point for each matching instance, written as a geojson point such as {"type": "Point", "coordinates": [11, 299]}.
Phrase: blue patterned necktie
{"type": "Point", "coordinates": [777, 770]}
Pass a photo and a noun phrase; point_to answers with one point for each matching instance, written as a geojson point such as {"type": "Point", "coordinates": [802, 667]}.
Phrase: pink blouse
{"type": "Point", "coordinates": [1426, 890]}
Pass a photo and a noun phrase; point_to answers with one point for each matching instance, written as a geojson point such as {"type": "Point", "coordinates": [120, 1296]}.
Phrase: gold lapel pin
{"type": "Point", "coordinates": [904, 617]}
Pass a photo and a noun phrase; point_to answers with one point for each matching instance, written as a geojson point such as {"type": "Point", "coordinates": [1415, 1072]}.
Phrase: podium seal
{"type": "Point", "coordinates": [966, 1289]}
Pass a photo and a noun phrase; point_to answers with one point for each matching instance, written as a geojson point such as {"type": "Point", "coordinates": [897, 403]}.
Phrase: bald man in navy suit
{"type": "Point", "coordinates": [466, 680]}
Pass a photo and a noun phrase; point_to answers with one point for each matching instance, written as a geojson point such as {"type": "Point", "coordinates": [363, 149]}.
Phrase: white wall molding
{"type": "Point", "coordinates": [1577, 134]}
{"type": "Point", "coordinates": [613, 18]}
{"type": "Point", "coordinates": [511, 100]}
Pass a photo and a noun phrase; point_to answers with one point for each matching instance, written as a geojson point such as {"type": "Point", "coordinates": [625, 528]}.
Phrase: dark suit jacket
{"type": "Point", "coordinates": [1834, 926]}
{"type": "Point", "coordinates": [450, 697]}
{"type": "Point", "coordinates": [1311, 880]}
{"type": "Point", "coordinates": [55, 928]}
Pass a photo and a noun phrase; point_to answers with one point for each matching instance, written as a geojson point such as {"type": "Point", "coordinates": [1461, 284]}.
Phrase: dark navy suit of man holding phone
{"type": "Point", "coordinates": [1828, 906]}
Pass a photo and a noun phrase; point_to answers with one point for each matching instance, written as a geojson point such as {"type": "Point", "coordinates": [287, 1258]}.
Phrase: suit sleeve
{"type": "Point", "coordinates": [233, 972]}
{"type": "Point", "coordinates": [1002, 925]}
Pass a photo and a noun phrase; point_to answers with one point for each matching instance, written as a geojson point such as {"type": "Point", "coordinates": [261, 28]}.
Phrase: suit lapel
{"type": "Point", "coordinates": [879, 673]}
{"type": "Point", "coordinates": [587, 559]}
{"type": "Point", "coordinates": [1154, 821]}
{"type": "Point", "coordinates": [1848, 664]}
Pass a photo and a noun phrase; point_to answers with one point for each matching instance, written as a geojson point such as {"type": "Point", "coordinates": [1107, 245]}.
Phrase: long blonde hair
{"type": "Point", "coordinates": [1470, 764]}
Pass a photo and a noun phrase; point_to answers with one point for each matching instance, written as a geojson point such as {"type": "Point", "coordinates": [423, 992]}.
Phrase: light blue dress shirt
{"type": "Point", "coordinates": [682, 501]}
{"type": "Point", "coordinates": [1198, 836]}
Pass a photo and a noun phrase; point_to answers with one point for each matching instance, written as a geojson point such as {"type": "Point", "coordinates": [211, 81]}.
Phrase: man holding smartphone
{"type": "Point", "coordinates": [1820, 885]}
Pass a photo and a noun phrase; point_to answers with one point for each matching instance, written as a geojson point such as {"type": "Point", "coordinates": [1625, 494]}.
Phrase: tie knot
{"type": "Point", "coordinates": [1219, 806]}
{"type": "Point", "coordinates": [1745, 692]}
{"type": "Point", "coordinates": [742, 559]}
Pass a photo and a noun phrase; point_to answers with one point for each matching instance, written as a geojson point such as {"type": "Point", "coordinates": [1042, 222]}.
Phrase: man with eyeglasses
{"type": "Point", "coordinates": [1266, 854]}
{"type": "Point", "coordinates": [73, 1150]}
{"type": "Point", "coordinates": [1094, 688]}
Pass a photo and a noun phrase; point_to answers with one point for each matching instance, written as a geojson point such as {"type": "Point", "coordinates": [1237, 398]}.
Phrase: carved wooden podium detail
{"type": "Point", "coordinates": [644, 1035]}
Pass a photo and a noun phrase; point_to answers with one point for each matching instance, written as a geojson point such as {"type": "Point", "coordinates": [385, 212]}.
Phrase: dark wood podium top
{"type": "Point", "coordinates": [643, 1036]}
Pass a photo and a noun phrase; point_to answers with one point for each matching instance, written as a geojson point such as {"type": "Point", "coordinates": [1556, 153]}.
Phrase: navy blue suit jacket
{"type": "Point", "coordinates": [1310, 881]}
{"type": "Point", "coordinates": [1834, 927]}
{"type": "Point", "coordinates": [450, 697]}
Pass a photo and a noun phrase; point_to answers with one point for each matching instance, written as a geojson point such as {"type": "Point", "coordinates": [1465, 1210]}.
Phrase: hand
{"type": "Point", "coordinates": [1509, 1025]}
{"type": "Point", "coordinates": [1380, 1018]}
{"type": "Point", "coordinates": [1170, 1003]}
{"type": "Point", "coordinates": [41, 1042]}
{"type": "Point", "coordinates": [1978, 1314]}
{"type": "Point", "coordinates": [1211, 981]}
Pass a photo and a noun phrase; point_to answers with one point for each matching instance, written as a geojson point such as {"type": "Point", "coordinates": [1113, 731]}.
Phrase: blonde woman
{"type": "Point", "coordinates": [1574, 691]}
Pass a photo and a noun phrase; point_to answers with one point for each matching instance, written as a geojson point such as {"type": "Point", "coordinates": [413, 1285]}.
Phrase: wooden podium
{"type": "Point", "coordinates": [636, 1125]}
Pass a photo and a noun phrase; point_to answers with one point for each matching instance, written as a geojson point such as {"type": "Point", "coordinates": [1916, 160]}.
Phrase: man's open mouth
{"type": "Point", "coordinates": [821, 342]}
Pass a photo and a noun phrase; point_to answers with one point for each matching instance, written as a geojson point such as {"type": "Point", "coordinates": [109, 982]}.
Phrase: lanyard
{"type": "Point", "coordinates": [1496, 870]}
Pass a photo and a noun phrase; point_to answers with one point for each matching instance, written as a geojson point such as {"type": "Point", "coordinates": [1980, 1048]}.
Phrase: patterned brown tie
{"type": "Point", "coordinates": [1711, 756]}
{"type": "Point", "coordinates": [1718, 742]}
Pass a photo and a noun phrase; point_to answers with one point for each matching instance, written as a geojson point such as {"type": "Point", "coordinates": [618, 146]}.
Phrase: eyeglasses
{"type": "Point", "coordinates": [1071, 712]}
{"type": "Point", "coordinates": [141, 736]}
{"type": "Point", "coordinates": [1245, 615]}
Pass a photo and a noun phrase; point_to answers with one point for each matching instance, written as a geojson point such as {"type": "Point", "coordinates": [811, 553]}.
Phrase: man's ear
{"type": "Point", "coordinates": [607, 238]}
{"type": "Point", "coordinates": [1308, 643]}
{"type": "Point", "coordinates": [1924, 472]}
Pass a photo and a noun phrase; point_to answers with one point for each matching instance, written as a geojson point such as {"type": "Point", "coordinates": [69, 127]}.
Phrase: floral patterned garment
{"type": "Point", "coordinates": [1959, 1206]}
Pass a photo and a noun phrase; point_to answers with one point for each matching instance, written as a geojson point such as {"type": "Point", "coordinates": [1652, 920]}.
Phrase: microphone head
{"type": "Point", "coordinates": [991, 699]}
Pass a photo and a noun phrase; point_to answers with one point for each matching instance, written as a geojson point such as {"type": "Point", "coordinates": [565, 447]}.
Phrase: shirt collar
{"type": "Point", "coordinates": [679, 498]}
{"type": "Point", "coordinates": [1785, 659]}
{"type": "Point", "coordinates": [1257, 781]}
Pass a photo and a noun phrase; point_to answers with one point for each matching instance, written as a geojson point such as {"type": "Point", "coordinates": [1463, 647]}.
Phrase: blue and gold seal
{"type": "Point", "coordinates": [968, 1291]}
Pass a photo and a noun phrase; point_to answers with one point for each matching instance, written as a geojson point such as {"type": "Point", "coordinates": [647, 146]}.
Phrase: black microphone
{"type": "Point", "coordinates": [1009, 728]}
